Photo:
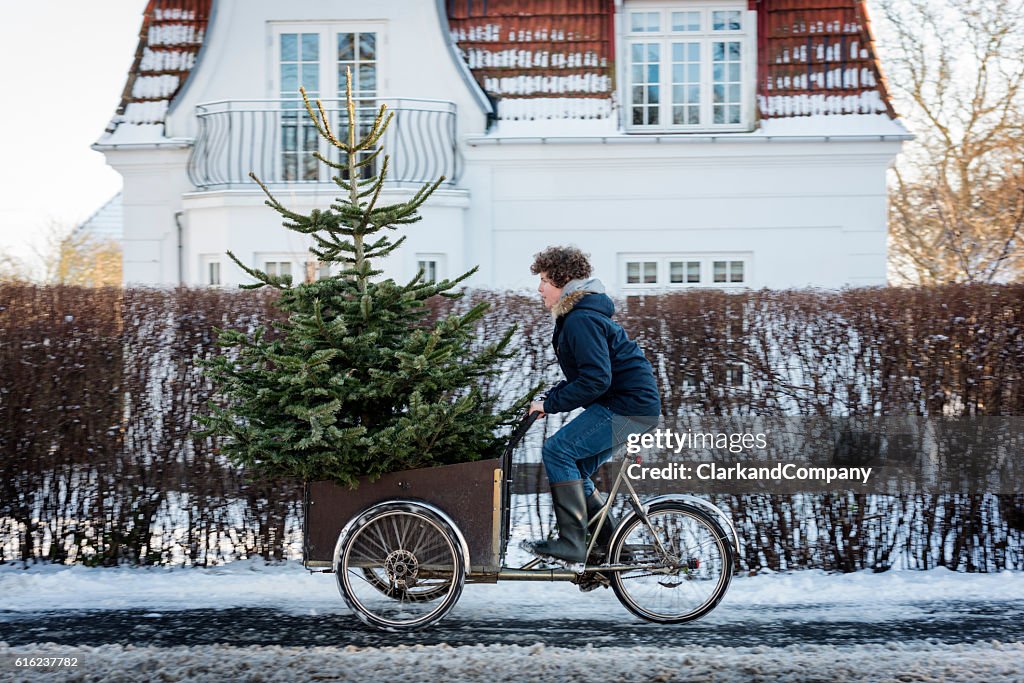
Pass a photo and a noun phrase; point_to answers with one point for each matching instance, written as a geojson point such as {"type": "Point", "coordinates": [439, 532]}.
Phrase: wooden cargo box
{"type": "Point", "coordinates": [469, 493]}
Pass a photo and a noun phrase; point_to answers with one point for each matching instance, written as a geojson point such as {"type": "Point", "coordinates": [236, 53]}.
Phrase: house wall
{"type": "Point", "coordinates": [807, 214]}
{"type": "Point", "coordinates": [238, 221]}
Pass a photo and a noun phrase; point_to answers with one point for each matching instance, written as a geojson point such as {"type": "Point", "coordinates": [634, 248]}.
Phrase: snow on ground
{"type": "Point", "coordinates": [905, 663]}
{"type": "Point", "coordinates": [291, 588]}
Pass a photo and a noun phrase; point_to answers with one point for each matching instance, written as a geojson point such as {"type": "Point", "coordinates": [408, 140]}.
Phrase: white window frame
{"type": "Point", "coordinates": [296, 263]}
{"type": "Point", "coordinates": [440, 268]}
{"type": "Point", "coordinates": [206, 264]}
{"type": "Point", "coordinates": [664, 37]}
{"type": "Point", "coordinates": [329, 87]}
{"type": "Point", "coordinates": [663, 270]}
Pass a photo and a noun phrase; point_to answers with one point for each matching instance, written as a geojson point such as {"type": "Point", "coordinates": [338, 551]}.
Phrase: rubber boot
{"type": "Point", "coordinates": [596, 501]}
{"type": "Point", "coordinates": [570, 514]}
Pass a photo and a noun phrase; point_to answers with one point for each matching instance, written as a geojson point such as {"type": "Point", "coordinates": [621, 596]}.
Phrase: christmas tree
{"type": "Point", "coordinates": [356, 381]}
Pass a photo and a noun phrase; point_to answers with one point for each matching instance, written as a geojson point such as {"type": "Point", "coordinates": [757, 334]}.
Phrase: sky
{"type": "Point", "coordinates": [65, 65]}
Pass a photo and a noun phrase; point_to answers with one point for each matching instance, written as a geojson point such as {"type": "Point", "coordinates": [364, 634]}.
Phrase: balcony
{"type": "Point", "coordinates": [275, 139]}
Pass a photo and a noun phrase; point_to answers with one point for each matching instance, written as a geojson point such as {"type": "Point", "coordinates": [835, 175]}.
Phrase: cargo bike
{"type": "Point", "coordinates": [403, 546]}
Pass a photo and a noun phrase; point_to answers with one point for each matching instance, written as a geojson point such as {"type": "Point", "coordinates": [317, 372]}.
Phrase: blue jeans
{"type": "Point", "coordinates": [580, 447]}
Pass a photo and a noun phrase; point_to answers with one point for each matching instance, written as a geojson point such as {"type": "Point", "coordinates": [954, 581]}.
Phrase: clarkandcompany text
{"type": "Point", "coordinates": [709, 471]}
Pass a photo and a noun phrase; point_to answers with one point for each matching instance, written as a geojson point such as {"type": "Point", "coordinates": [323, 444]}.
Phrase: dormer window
{"type": "Point", "coordinates": [689, 67]}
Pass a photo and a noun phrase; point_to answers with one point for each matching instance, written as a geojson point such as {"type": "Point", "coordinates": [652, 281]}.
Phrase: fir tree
{"type": "Point", "coordinates": [355, 382]}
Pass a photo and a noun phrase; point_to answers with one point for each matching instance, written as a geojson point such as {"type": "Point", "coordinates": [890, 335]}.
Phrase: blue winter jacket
{"type": "Point", "coordinates": [601, 364]}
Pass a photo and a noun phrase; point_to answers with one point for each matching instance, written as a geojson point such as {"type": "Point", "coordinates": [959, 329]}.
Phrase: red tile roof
{"type": "Point", "coordinates": [818, 56]}
{"type": "Point", "coordinates": [814, 56]}
{"type": "Point", "coordinates": [172, 33]}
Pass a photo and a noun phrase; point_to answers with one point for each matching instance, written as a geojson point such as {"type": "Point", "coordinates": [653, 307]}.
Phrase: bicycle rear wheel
{"type": "Point", "coordinates": [400, 567]}
{"type": "Point", "coordinates": [683, 564]}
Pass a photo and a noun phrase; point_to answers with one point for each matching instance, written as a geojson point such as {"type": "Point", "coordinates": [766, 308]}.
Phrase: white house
{"type": "Point", "coordinates": [682, 143]}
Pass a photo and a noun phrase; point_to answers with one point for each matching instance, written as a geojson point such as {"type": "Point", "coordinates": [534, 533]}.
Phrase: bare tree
{"type": "Point", "coordinates": [956, 211]}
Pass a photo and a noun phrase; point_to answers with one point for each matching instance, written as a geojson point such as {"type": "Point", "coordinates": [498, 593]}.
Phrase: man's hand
{"type": "Point", "coordinates": [537, 407]}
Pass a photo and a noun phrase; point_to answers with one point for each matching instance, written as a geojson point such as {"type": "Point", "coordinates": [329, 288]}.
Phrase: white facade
{"type": "Point", "coordinates": [779, 203]}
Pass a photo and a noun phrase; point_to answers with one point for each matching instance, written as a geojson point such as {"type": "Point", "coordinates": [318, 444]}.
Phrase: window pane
{"type": "Point", "coordinates": [638, 73]}
{"type": "Point", "coordinates": [650, 272]}
{"type": "Point", "coordinates": [638, 94]}
{"type": "Point", "coordinates": [214, 273]}
{"type": "Point", "coordinates": [653, 21]}
{"type": "Point", "coordinates": [311, 78]}
{"type": "Point", "coordinates": [693, 271]}
{"type": "Point", "coordinates": [652, 116]}
{"type": "Point", "coordinates": [675, 272]}
{"type": "Point", "coordinates": [734, 72]}
{"type": "Point", "coordinates": [367, 46]}
{"type": "Point", "coordinates": [719, 271]}
{"type": "Point", "coordinates": [638, 116]}
{"type": "Point", "coordinates": [367, 78]}
{"type": "Point", "coordinates": [652, 73]}
{"type": "Point", "coordinates": [637, 22]}
{"type": "Point", "coordinates": [638, 52]}
{"type": "Point", "coordinates": [694, 51]}
{"type": "Point", "coordinates": [284, 268]}
{"type": "Point", "coordinates": [728, 20]}
{"type": "Point", "coordinates": [734, 52]}
{"type": "Point", "coordinates": [343, 68]}
{"type": "Point", "coordinates": [652, 52]}
{"type": "Point", "coordinates": [346, 47]}
{"type": "Point", "coordinates": [289, 49]}
{"type": "Point", "coordinates": [310, 47]}
{"type": "Point", "coordinates": [734, 114]}
{"type": "Point", "coordinates": [289, 138]}
{"type": "Point", "coordinates": [686, 21]}
{"type": "Point", "coordinates": [633, 272]}
{"type": "Point", "coordinates": [289, 79]}
{"type": "Point", "coordinates": [736, 271]}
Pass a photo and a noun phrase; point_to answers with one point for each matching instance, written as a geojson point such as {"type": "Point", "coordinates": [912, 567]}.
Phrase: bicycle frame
{"type": "Point", "coordinates": [528, 572]}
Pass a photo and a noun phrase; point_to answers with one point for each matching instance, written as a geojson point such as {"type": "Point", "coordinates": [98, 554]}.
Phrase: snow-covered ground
{"type": "Point", "coordinates": [289, 588]}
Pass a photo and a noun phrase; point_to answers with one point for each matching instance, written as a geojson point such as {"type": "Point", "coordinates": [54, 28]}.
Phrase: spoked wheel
{"type": "Point", "coordinates": [683, 566]}
{"type": "Point", "coordinates": [400, 567]}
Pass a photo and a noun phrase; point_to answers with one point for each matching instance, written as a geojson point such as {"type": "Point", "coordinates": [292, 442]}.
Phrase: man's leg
{"type": "Point", "coordinates": [588, 434]}
{"type": "Point", "coordinates": [571, 453]}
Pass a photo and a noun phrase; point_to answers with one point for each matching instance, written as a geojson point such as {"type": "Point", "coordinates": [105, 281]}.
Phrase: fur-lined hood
{"type": "Point", "coordinates": [573, 293]}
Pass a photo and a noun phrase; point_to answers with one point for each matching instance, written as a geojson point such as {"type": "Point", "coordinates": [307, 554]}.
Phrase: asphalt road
{"type": "Point", "coordinates": [948, 622]}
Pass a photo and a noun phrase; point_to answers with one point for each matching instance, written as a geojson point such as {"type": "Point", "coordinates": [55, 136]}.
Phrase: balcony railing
{"type": "Point", "coordinates": [275, 140]}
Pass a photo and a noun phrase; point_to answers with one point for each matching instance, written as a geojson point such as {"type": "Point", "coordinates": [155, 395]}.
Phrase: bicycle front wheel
{"type": "Point", "coordinates": [682, 564]}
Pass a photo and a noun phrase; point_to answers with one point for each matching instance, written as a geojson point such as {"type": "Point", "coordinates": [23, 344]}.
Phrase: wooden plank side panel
{"type": "Point", "coordinates": [465, 492]}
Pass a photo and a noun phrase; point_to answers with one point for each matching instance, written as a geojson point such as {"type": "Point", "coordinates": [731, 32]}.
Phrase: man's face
{"type": "Point", "coordinates": [548, 292]}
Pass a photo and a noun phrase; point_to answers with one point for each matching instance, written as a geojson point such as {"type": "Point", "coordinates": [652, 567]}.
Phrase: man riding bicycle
{"type": "Point", "coordinates": [607, 374]}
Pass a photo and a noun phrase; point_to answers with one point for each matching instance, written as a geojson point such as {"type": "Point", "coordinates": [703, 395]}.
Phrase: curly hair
{"type": "Point", "coordinates": [561, 264]}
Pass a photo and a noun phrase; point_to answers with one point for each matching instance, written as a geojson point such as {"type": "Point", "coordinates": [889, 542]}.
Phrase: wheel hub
{"type": "Point", "coordinates": [402, 568]}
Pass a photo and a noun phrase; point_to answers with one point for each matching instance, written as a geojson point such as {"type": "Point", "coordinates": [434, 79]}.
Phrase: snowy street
{"type": "Point", "coordinates": [252, 622]}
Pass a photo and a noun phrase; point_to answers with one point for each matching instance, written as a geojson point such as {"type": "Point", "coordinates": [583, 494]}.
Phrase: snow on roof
{"type": "Point", "coordinates": [170, 37]}
{"type": "Point", "coordinates": [107, 223]}
{"type": "Point", "coordinates": [815, 57]}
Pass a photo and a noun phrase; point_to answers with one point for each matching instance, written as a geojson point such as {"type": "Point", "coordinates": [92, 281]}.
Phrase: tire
{"type": "Point", "coordinates": [683, 585]}
{"type": "Point", "coordinates": [401, 567]}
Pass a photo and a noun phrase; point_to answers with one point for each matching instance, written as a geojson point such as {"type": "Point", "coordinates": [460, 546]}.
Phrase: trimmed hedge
{"type": "Point", "coordinates": [99, 390]}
